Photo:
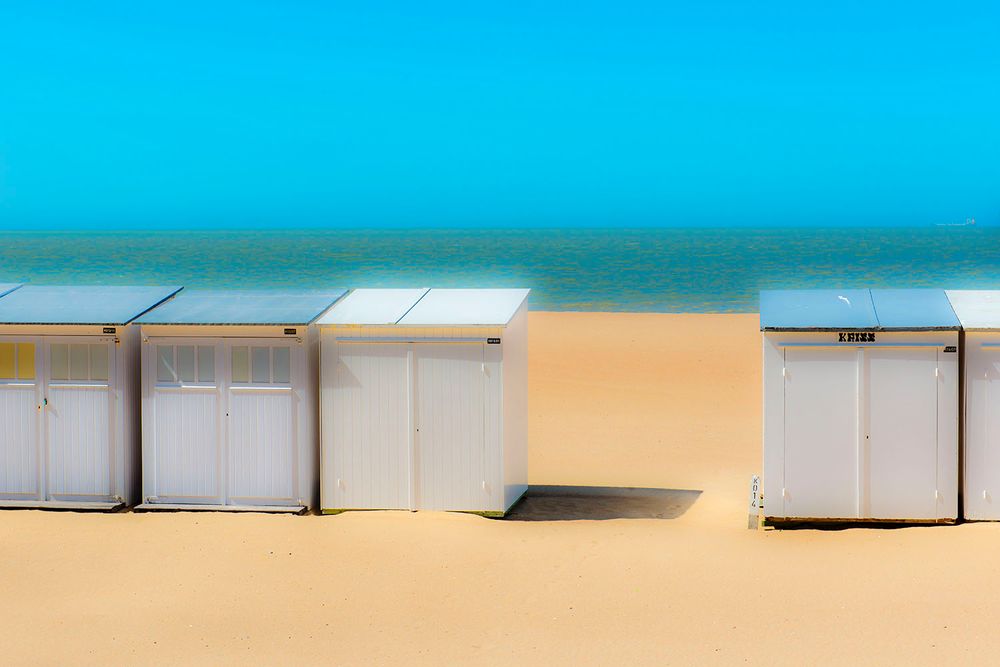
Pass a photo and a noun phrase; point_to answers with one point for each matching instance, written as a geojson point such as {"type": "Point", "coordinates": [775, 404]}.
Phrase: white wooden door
{"type": "Point", "coordinates": [263, 429]}
{"type": "Point", "coordinates": [449, 434]}
{"type": "Point", "coordinates": [901, 447]}
{"type": "Point", "coordinates": [79, 418]}
{"type": "Point", "coordinates": [982, 432]}
{"type": "Point", "coordinates": [370, 466]}
{"type": "Point", "coordinates": [187, 420]}
{"type": "Point", "coordinates": [20, 417]}
{"type": "Point", "coordinates": [821, 432]}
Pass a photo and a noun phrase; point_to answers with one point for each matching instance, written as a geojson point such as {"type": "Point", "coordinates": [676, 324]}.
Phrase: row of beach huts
{"type": "Point", "coordinates": [167, 398]}
{"type": "Point", "coordinates": [881, 405]}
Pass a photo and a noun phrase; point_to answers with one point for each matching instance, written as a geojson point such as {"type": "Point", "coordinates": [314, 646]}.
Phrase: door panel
{"type": "Point", "coordinates": [371, 428]}
{"type": "Point", "coordinates": [262, 444]}
{"type": "Point", "coordinates": [187, 437]}
{"type": "Point", "coordinates": [19, 419]}
{"type": "Point", "coordinates": [450, 421]}
{"type": "Point", "coordinates": [901, 454]}
{"type": "Point", "coordinates": [79, 423]}
{"type": "Point", "coordinates": [821, 433]}
{"type": "Point", "coordinates": [982, 433]}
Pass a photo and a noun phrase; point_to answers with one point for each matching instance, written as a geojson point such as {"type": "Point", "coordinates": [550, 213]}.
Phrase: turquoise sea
{"type": "Point", "coordinates": [661, 270]}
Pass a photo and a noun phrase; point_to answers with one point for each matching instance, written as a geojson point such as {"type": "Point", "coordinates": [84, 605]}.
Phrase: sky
{"type": "Point", "coordinates": [516, 114]}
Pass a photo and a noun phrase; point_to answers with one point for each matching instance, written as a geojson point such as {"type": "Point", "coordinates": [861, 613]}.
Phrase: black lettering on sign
{"type": "Point", "coordinates": [110, 330]}
{"type": "Point", "coordinates": [950, 348]}
{"type": "Point", "coordinates": [492, 341]}
{"type": "Point", "coordinates": [291, 332]}
{"type": "Point", "coordinates": [856, 337]}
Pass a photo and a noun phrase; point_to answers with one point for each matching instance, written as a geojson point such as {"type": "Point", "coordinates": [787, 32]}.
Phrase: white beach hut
{"type": "Point", "coordinates": [69, 394]}
{"type": "Point", "coordinates": [229, 401]}
{"type": "Point", "coordinates": [860, 405]}
{"type": "Point", "coordinates": [979, 313]}
{"type": "Point", "coordinates": [424, 400]}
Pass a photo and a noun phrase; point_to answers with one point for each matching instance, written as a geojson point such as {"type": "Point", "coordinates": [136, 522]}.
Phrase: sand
{"type": "Point", "coordinates": [670, 402]}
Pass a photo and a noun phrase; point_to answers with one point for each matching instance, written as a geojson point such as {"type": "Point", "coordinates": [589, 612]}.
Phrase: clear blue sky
{"type": "Point", "coordinates": [178, 114]}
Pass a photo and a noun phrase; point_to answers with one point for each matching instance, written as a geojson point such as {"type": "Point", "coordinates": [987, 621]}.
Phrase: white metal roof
{"type": "Point", "coordinates": [373, 306]}
{"type": "Point", "coordinates": [80, 304]}
{"type": "Point", "coordinates": [976, 309]}
{"type": "Point", "coordinates": [465, 307]}
{"type": "Point", "coordinates": [247, 307]}
{"type": "Point", "coordinates": [882, 309]}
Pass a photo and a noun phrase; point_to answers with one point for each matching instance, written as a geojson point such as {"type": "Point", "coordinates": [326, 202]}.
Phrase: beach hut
{"type": "Point", "coordinates": [979, 313]}
{"type": "Point", "coordinates": [860, 405]}
{"type": "Point", "coordinates": [229, 401]}
{"type": "Point", "coordinates": [69, 394]}
{"type": "Point", "coordinates": [424, 400]}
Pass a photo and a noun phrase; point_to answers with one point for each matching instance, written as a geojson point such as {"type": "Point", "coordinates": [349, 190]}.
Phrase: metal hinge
{"type": "Point", "coordinates": [784, 372]}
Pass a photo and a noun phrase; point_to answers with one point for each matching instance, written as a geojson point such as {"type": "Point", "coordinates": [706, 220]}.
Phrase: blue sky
{"type": "Point", "coordinates": [297, 114]}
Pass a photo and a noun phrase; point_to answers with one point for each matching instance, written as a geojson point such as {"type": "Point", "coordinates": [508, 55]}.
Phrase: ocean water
{"type": "Point", "coordinates": [657, 270]}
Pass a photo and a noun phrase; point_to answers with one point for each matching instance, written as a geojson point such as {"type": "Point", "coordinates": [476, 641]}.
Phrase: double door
{"type": "Point", "coordinates": [409, 426]}
{"type": "Point", "coordinates": [223, 421]}
{"type": "Point", "coordinates": [57, 419]}
{"type": "Point", "coordinates": [861, 432]}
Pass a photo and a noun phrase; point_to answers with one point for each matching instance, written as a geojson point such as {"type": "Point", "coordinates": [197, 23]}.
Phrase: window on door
{"type": "Point", "coordinates": [17, 361]}
{"type": "Point", "coordinates": [79, 362]}
{"type": "Point", "coordinates": [261, 365]}
{"type": "Point", "coordinates": [185, 363]}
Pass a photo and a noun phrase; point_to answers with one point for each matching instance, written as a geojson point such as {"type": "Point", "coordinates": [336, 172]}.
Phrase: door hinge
{"type": "Point", "coordinates": [784, 372]}
{"type": "Point", "coordinates": [937, 372]}
{"type": "Point", "coordinates": [783, 494]}
{"type": "Point", "coordinates": [937, 495]}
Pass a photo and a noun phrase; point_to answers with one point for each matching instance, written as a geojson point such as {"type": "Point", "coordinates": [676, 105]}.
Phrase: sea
{"type": "Point", "coordinates": [670, 270]}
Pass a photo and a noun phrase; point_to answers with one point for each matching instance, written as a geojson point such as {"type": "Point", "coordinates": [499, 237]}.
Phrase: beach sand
{"type": "Point", "coordinates": [670, 402]}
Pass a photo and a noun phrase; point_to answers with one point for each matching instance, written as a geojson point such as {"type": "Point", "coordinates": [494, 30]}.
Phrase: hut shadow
{"type": "Point", "coordinates": [598, 503]}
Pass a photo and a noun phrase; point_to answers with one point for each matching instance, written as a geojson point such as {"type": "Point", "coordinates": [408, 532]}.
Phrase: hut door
{"type": "Point", "coordinates": [79, 416]}
{"type": "Point", "coordinates": [449, 438]}
{"type": "Point", "coordinates": [901, 443]}
{"type": "Point", "coordinates": [821, 432]}
{"type": "Point", "coordinates": [186, 429]}
{"type": "Point", "coordinates": [263, 430]}
{"type": "Point", "coordinates": [20, 410]}
{"type": "Point", "coordinates": [370, 458]}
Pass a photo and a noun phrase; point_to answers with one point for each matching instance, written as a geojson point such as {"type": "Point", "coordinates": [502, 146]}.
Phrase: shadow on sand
{"type": "Point", "coordinates": [570, 503]}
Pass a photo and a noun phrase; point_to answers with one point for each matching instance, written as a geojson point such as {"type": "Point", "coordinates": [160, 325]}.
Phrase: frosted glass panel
{"type": "Point", "coordinates": [7, 371]}
{"type": "Point", "coordinates": [59, 363]}
{"type": "Point", "coordinates": [165, 364]}
{"type": "Point", "coordinates": [79, 361]}
{"type": "Point", "coordinates": [206, 363]}
{"type": "Point", "coordinates": [282, 365]}
{"type": "Point", "coordinates": [262, 364]}
{"type": "Point", "coordinates": [98, 362]}
{"type": "Point", "coordinates": [26, 361]}
{"type": "Point", "coordinates": [185, 363]}
{"type": "Point", "coordinates": [241, 364]}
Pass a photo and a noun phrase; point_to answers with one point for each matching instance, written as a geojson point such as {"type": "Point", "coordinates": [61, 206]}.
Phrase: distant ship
{"type": "Point", "coordinates": [968, 223]}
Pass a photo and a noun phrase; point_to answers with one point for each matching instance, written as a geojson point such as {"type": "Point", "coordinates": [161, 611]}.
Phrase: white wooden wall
{"type": "Point", "coordinates": [861, 431]}
{"type": "Point", "coordinates": [411, 424]}
{"type": "Point", "coordinates": [67, 441]}
{"type": "Point", "coordinates": [224, 444]}
{"type": "Point", "coordinates": [515, 407]}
